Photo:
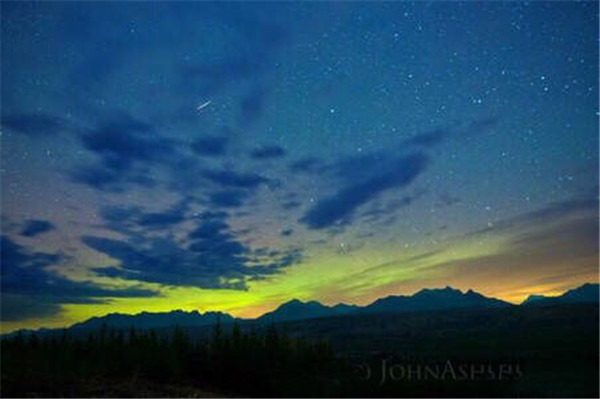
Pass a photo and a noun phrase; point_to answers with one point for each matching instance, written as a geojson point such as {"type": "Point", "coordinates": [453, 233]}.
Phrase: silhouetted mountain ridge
{"type": "Point", "coordinates": [587, 293]}
{"type": "Point", "coordinates": [147, 320]}
{"type": "Point", "coordinates": [298, 310]}
{"type": "Point", "coordinates": [428, 299]}
{"type": "Point", "coordinates": [434, 299]}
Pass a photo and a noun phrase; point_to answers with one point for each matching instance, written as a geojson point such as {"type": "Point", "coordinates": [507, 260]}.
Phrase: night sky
{"type": "Point", "coordinates": [233, 156]}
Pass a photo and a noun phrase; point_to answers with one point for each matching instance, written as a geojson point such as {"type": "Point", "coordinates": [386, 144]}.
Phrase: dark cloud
{"type": "Point", "coordinates": [123, 140]}
{"type": "Point", "coordinates": [121, 219]}
{"type": "Point", "coordinates": [291, 204]}
{"type": "Point", "coordinates": [363, 184]}
{"type": "Point", "coordinates": [228, 198]}
{"type": "Point", "coordinates": [211, 257]}
{"type": "Point", "coordinates": [358, 167]}
{"type": "Point", "coordinates": [163, 220]}
{"type": "Point", "coordinates": [132, 221]}
{"type": "Point", "coordinates": [26, 275]}
{"type": "Point", "coordinates": [210, 146]}
{"type": "Point", "coordinates": [363, 177]}
{"type": "Point", "coordinates": [98, 177]}
{"type": "Point", "coordinates": [387, 211]}
{"type": "Point", "coordinates": [105, 178]}
{"type": "Point", "coordinates": [34, 227]}
{"type": "Point", "coordinates": [126, 149]}
{"type": "Point", "coordinates": [229, 178]}
{"type": "Point", "coordinates": [33, 124]}
{"type": "Point", "coordinates": [23, 307]}
{"type": "Point", "coordinates": [268, 152]}
{"type": "Point", "coordinates": [182, 174]}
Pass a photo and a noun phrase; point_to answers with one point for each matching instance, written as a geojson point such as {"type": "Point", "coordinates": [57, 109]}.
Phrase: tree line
{"type": "Point", "coordinates": [229, 361]}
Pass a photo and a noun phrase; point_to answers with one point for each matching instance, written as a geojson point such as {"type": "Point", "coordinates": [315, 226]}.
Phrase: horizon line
{"type": "Point", "coordinates": [291, 300]}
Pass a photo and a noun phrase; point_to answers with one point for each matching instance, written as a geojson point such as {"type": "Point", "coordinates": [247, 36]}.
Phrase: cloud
{"type": "Point", "coordinates": [268, 152]}
{"type": "Point", "coordinates": [211, 256]}
{"type": "Point", "coordinates": [123, 140]}
{"type": "Point", "coordinates": [33, 124]}
{"type": "Point", "coordinates": [131, 220]}
{"type": "Point", "coordinates": [105, 178]}
{"type": "Point", "coordinates": [362, 185]}
{"type": "Point", "coordinates": [98, 177]}
{"type": "Point", "coordinates": [35, 227]}
{"type": "Point", "coordinates": [559, 240]}
{"type": "Point", "coordinates": [228, 198]}
{"type": "Point", "coordinates": [291, 204]}
{"type": "Point", "coordinates": [23, 307]}
{"type": "Point", "coordinates": [229, 178]}
{"type": "Point", "coordinates": [126, 149]}
{"type": "Point", "coordinates": [163, 220]}
{"type": "Point", "coordinates": [555, 211]}
{"type": "Point", "coordinates": [387, 211]}
{"type": "Point", "coordinates": [363, 177]}
{"type": "Point", "coordinates": [210, 146]}
{"type": "Point", "coordinates": [118, 213]}
{"type": "Point", "coordinates": [28, 284]}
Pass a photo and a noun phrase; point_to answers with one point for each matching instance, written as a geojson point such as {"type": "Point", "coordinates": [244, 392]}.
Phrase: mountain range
{"type": "Point", "coordinates": [436, 299]}
{"type": "Point", "coordinates": [146, 320]}
{"type": "Point", "coordinates": [587, 293]}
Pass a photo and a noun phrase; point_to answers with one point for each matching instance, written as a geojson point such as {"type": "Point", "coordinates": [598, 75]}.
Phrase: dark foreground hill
{"type": "Point", "coordinates": [531, 351]}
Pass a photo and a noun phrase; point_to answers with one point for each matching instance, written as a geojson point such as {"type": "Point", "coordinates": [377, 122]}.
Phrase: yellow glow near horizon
{"type": "Point", "coordinates": [331, 278]}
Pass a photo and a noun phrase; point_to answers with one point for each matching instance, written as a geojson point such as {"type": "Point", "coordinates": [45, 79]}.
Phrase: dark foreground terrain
{"type": "Point", "coordinates": [542, 351]}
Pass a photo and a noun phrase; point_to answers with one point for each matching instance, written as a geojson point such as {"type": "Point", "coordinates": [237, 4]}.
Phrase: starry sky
{"type": "Point", "coordinates": [233, 156]}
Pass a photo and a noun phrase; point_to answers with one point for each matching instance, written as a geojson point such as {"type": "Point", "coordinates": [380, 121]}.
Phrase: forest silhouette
{"type": "Point", "coordinates": [116, 362]}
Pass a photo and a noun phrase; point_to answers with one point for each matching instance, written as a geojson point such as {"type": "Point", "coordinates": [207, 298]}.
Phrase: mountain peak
{"type": "Point", "coordinates": [296, 309]}
{"type": "Point", "coordinates": [586, 293]}
{"type": "Point", "coordinates": [145, 320]}
{"type": "Point", "coordinates": [294, 301]}
{"type": "Point", "coordinates": [299, 303]}
{"type": "Point", "coordinates": [534, 298]}
{"type": "Point", "coordinates": [448, 290]}
{"type": "Point", "coordinates": [435, 299]}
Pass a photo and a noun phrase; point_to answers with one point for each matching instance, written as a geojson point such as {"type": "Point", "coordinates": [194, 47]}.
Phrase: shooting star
{"type": "Point", "coordinates": [204, 105]}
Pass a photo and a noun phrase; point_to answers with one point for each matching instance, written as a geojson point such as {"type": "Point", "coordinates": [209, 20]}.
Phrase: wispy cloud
{"type": "Point", "coordinates": [31, 289]}
{"type": "Point", "coordinates": [210, 256]}
{"type": "Point", "coordinates": [36, 227]}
